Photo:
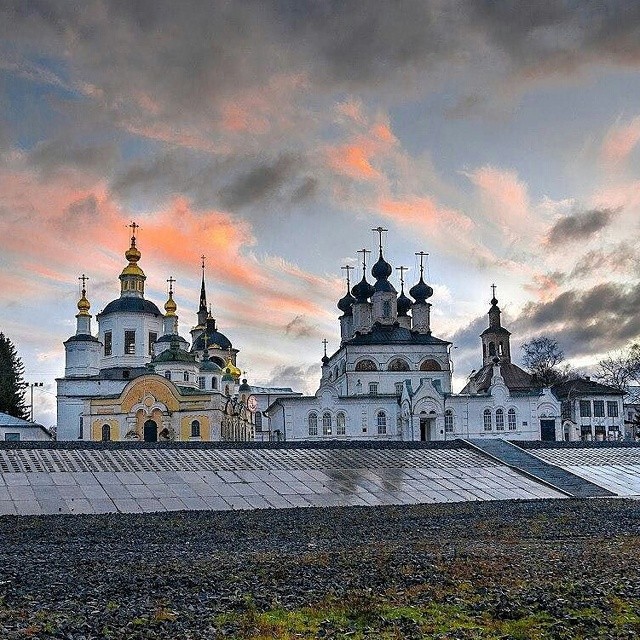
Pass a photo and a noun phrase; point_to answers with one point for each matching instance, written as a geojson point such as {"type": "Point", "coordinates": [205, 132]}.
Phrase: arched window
{"type": "Point", "coordinates": [484, 350]}
{"type": "Point", "coordinates": [487, 419]}
{"type": "Point", "coordinates": [430, 365]}
{"type": "Point", "coordinates": [167, 375]}
{"type": "Point", "coordinates": [185, 376]}
{"type": "Point", "coordinates": [335, 372]}
{"type": "Point", "coordinates": [500, 349]}
{"type": "Point", "coordinates": [214, 382]}
{"type": "Point", "coordinates": [195, 429]}
{"type": "Point", "coordinates": [398, 364]}
{"type": "Point", "coordinates": [381, 419]}
{"type": "Point", "coordinates": [492, 348]}
{"type": "Point", "coordinates": [499, 419]}
{"type": "Point", "coordinates": [511, 419]}
{"type": "Point", "coordinates": [386, 308]}
{"type": "Point", "coordinates": [326, 424]}
{"type": "Point", "coordinates": [366, 365]}
{"type": "Point", "coordinates": [448, 421]}
{"type": "Point", "coordinates": [340, 424]}
{"type": "Point", "coordinates": [106, 433]}
{"type": "Point", "coordinates": [313, 424]}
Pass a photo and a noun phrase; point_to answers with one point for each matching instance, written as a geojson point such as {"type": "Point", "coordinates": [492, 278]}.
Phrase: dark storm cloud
{"type": "Point", "coordinates": [621, 258]}
{"type": "Point", "coordinates": [264, 181]}
{"type": "Point", "coordinates": [580, 226]}
{"type": "Point", "coordinates": [180, 61]}
{"type": "Point", "coordinates": [585, 322]}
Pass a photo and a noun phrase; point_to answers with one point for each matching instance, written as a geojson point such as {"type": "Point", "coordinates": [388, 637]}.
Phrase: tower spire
{"type": "Point", "coordinates": [202, 309]}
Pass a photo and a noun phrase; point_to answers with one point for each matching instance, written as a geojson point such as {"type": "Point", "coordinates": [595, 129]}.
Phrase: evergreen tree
{"type": "Point", "coordinates": [11, 380]}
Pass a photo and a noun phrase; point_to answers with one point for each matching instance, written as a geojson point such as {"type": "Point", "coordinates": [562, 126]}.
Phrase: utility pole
{"type": "Point", "coordinates": [31, 385]}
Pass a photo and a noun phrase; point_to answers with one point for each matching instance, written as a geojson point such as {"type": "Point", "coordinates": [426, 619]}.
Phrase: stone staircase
{"type": "Point", "coordinates": [529, 464]}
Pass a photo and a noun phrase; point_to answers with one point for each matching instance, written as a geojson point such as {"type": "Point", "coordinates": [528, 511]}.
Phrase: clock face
{"type": "Point", "coordinates": [252, 404]}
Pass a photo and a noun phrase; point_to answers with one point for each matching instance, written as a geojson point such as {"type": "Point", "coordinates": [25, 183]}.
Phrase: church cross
{"type": "Point", "coordinates": [402, 269]}
{"type": "Point", "coordinates": [422, 255]}
{"type": "Point", "coordinates": [171, 280]}
{"type": "Point", "coordinates": [347, 268]}
{"type": "Point", "coordinates": [493, 288]}
{"type": "Point", "coordinates": [380, 230]}
{"type": "Point", "coordinates": [364, 257]}
{"type": "Point", "coordinates": [84, 280]}
{"type": "Point", "coordinates": [134, 227]}
{"type": "Point", "coordinates": [325, 343]}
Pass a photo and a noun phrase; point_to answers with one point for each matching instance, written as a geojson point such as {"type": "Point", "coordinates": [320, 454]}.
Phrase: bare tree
{"type": "Point", "coordinates": [621, 369]}
{"type": "Point", "coordinates": [543, 358]}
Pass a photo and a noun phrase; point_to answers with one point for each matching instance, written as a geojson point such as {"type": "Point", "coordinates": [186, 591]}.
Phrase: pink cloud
{"type": "Point", "coordinates": [620, 141]}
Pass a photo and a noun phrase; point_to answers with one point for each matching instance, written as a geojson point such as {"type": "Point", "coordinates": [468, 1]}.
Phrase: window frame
{"type": "Point", "coordinates": [512, 425]}
{"type": "Point", "coordinates": [499, 419]}
{"type": "Point", "coordinates": [448, 421]}
{"type": "Point", "coordinates": [129, 343]}
{"type": "Point", "coordinates": [612, 404]}
{"type": "Point", "coordinates": [196, 429]}
{"type": "Point", "coordinates": [108, 343]}
{"type": "Point", "coordinates": [487, 420]}
{"type": "Point", "coordinates": [312, 424]}
{"type": "Point", "coordinates": [341, 423]}
{"type": "Point", "coordinates": [381, 422]}
{"type": "Point", "coordinates": [327, 423]}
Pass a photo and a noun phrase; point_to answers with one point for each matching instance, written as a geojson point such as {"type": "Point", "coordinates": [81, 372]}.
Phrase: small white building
{"type": "Point", "coordinates": [14, 429]}
{"type": "Point", "coordinates": [591, 411]}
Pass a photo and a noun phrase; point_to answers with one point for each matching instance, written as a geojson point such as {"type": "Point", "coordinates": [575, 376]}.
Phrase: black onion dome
{"type": "Point", "coordinates": [362, 291]}
{"type": "Point", "coordinates": [421, 291]}
{"type": "Point", "coordinates": [381, 269]}
{"type": "Point", "coordinates": [344, 304]}
{"type": "Point", "coordinates": [404, 304]}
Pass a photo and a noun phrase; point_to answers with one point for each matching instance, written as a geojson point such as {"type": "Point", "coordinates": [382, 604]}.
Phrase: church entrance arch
{"type": "Point", "coordinates": [427, 423]}
{"type": "Point", "coordinates": [150, 431]}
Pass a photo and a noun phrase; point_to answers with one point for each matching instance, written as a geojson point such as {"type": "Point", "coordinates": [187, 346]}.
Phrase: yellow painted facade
{"type": "Point", "coordinates": [156, 402]}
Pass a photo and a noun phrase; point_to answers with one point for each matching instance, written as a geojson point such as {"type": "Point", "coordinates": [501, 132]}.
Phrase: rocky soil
{"type": "Point", "coordinates": [511, 570]}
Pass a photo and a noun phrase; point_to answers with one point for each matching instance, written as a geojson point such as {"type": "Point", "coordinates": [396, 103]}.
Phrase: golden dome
{"type": "Point", "coordinates": [170, 306]}
{"type": "Point", "coordinates": [83, 305]}
{"type": "Point", "coordinates": [132, 269]}
{"type": "Point", "coordinates": [132, 254]}
{"type": "Point", "coordinates": [233, 370]}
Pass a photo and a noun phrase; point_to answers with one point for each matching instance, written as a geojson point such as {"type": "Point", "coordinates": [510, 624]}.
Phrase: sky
{"type": "Point", "coordinates": [503, 138]}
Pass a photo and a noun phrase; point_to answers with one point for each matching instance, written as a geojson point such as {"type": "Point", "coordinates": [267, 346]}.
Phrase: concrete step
{"type": "Point", "coordinates": [528, 463]}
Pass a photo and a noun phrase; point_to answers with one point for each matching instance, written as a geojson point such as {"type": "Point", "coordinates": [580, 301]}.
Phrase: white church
{"type": "Point", "coordinates": [138, 379]}
{"type": "Point", "coordinates": [391, 380]}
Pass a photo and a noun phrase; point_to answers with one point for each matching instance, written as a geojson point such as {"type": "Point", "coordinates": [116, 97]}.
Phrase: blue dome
{"type": "Point", "coordinates": [344, 304]}
{"type": "Point", "coordinates": [213, 338]}
{"type": "Point", "coordinates": [421, 291]}
{"type": "Point", "coordinates": [362, 291]}
{"type": "Point", "coordinates": [381, 269]}
{"type": "Point", "coordinates": [130, 305]}
{"type": "Point", "coordinates": [404, 304]}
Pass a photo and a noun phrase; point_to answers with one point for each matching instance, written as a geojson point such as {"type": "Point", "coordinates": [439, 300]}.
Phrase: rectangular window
{"type": "Point", "coordinates": [258, 420]}
{"type": "Point", "coordinates": [81, 430]}
{"type": "Point", "coordinates": [511, 419]}
{"type": "Point", "coordinates": [499, 420]}
{"type": "Point", "coordinates": [153, 336]}
{"type": "Point", "coordinates": [598, 408]}
{"type": "Point", "coordinates": [585, 409]}
{"type": "Point", "coordinates": [373, 388]}
{"type": "Point", "coordinates": [130, 343]}
{"type": "Point", "coordinates": [399, 388]}
{"type": "Point", "coordinates": [12, 437]}
{"type": "Point", "coordinates": [448, 422]}
{"type": "Point", "coordinates": [565, 409]}
{"type": "Point", "coordinates": [612, 408]}
{"type": "Point", "coordinates": [108, 343]}
{"type": "Point", "coordinates": [201, 382]}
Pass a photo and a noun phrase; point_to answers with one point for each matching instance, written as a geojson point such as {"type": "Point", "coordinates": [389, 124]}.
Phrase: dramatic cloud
{"type": "Point", "coordinates": [586, 322]}
{"type": "Point", "coordinates": [580, 226]}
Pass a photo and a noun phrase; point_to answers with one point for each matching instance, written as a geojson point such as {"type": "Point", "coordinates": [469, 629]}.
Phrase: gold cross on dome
{"type": "Point", "coordinates": [171, 280]}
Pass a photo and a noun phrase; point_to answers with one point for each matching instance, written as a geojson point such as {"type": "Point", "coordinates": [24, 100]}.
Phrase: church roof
{"type": "Point", "coordinates": [496, 330]}
{"type": "Point", "coordinates": [583, 386]}
{"type": "Point", "coordinates": [82, 337]}
{"type": "Point", "coordinates": [382, 334]}
{"type": "Point", "coordinates": [208, 365]}
{"type": "Point", "coordinates": [213, 338]}
{"type": "Point", "coordinates": [515, 378]}
{"type": "Point", "coordinates": [128, 304]}
{"type": "Point", "coordinates": [174, 355]}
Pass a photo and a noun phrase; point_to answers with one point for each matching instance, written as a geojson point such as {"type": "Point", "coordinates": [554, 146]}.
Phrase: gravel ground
{"type": "Point", "coordinates": [512, 570]}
